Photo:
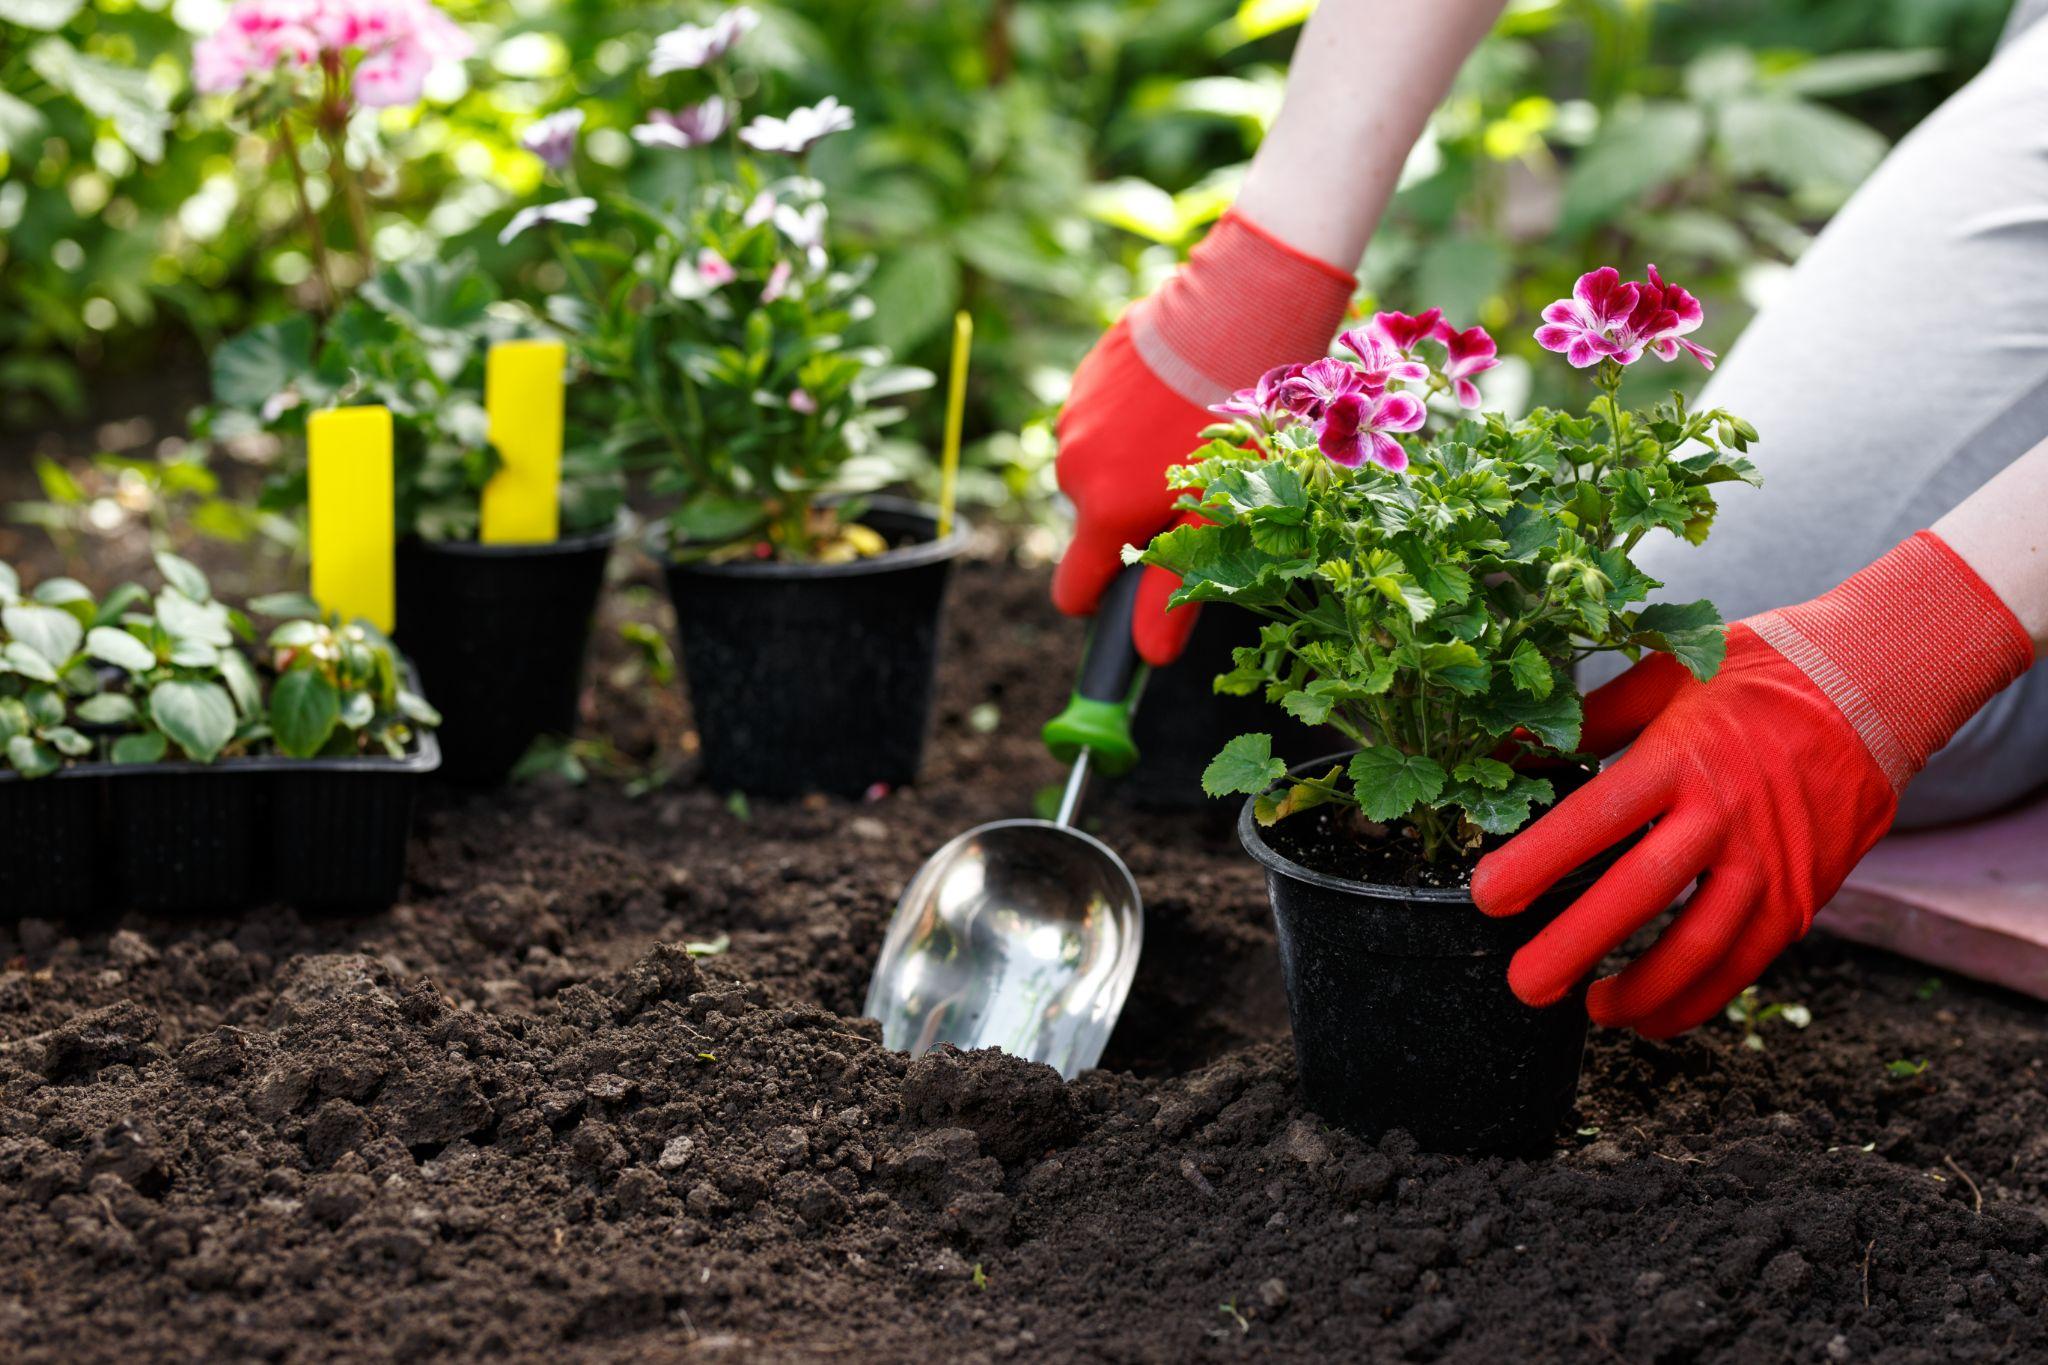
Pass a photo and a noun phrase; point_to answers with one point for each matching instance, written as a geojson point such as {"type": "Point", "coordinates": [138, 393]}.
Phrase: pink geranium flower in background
{"type": "Point", "coordinates": [801, 401]}
{"type": "Point", "coordinates": [1358, 426]}
{"type": "Point", "coordinates": [714, 270]}
{"type": "Point", "coordinates": [1664, 313]}
{"type": "Point", "coordinates": [1380, 362]}
{"type": "Point", "coordinates": [394, 45]}
{"type": "Point", "coordinates": [1402, 332]}
{"type": "Point", "coordinates": [1314, 386]}
{"type": "Point", "coordinates": [1583, 327]}
{"type": "Point", "coordinates": [1466, 353]}
{"type": "Point", "coordinates": [691, 126]}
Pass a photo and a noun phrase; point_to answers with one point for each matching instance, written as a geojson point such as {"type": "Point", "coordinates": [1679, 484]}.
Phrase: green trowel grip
{"type": "Point", "coordinates": [1098, 716]}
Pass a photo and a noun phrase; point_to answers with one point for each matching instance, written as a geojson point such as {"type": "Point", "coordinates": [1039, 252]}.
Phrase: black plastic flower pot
{"type": "Point", "coordinates": [1401, 1010]}
{"type": "Point", "coordinates": [499, 633]}
{"type": "Point", "coordinates": [1182, 721]}
{"type": "Point", "coordinates": [817, 677]}
{"type": "Point", "coordinates": [173, 838]}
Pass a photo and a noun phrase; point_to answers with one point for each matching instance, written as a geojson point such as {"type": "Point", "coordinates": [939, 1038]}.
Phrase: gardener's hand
{"type": "Point", "coordinates": [1767, 783]}
{"type": "Point", "coordinates": [1244, 303]}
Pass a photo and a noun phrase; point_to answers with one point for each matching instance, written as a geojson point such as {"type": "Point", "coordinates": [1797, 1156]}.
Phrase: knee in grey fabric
{"type": "Point", "coordinates": [1902, 364]}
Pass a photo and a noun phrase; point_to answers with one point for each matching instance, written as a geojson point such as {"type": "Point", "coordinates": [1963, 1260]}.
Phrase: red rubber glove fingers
{"type": "Point", "coordinates": [1159, 631]}
{"type": "Point", "coordinates": [1591, 820]}
{"type": "Point", "coordinates": [1119, 432]}
{"type": "Point", "coordinates": [1696, 947]}
{"type": "Point", "coordinates": [1643, 882]}
{"type": "Point", "coordinates": [1765, 938]}
{"type": "Point", "coordinates": [1617, 711]}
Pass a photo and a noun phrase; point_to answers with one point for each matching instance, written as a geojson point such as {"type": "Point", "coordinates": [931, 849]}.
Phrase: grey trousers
{"type": "Point", "coordinates": [1900, 365]}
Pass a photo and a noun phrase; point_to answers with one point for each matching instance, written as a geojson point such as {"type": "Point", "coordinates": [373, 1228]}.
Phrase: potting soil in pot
{"type": "Point", "coordinates": [514, 1119]}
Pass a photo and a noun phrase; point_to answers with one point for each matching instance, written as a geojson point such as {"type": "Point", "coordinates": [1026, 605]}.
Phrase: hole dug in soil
{"type": "Point", "coordinates": [512, 1118]}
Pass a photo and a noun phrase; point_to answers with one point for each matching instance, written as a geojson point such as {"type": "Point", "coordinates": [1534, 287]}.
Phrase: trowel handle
{"type": "Point", "coordinates": [1098, 715]}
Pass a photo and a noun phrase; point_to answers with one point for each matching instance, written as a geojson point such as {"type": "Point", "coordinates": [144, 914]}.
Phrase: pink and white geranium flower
{"type": "Point", "coordinates": [1380, 362]}
{"type": "Point", "coordinates": [389, 47]}
{"type": "Point", "coordinates": [1585, 327]}
{"type": "Point", "coordinates": [1359, 426]}
{"type": "Point", "coordinates": [1466, 354]}
{"type": "Point", "coordinates": [1402, 332]}
{"type": "Point", "coordinates": [1664, 314]}
{"type": "Point", "coordinates": [1313, 387]}
{"type": "Point", "coordinates": [1263, 400]}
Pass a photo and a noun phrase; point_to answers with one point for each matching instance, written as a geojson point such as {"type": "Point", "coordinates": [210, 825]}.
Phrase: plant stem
{"type": "Point", "coordinates": [318, 240]}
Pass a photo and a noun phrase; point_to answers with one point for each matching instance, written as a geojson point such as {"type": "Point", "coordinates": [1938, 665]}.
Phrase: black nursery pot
{"type": "Point", "coordinates": [498, 633]}
{"type": "Point", "coordinates": [1401, 1009]}
{"type": "Point", "coordinates": [1182, 720]}
{"type": "Point", "coordinates": [817, 677]}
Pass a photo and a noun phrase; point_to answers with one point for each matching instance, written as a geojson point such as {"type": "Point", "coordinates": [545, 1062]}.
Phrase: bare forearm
{"type": "Point", "coordinates": [1366, 75]}
{"type": "Point", "coordinates": [2001, 531]}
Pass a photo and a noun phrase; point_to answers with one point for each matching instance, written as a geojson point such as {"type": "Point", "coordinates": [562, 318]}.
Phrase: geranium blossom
{"type": "Point", "coordinates": [1380, 362]}
{"type": "Point", "coordinates": [1664, 313]}
{"type": "Point", "coordinates": [553, 139]}
{"type": "Point", "coordinates": [1584, 327]}
{"type": "Point", "coordinates": [1262, 400]}
{"type": "Point", "coordinates": [1357, 426]}
{"type": "Point", "coordinates": [1314, 386]}
{"type": "Point", "coordinates": [801, 130]}
{"type": "Point", "coordinates": [691, 126]}
{"type": "Point", "coordinates": [1402, 332]}
{"type": "Point", "coordinates": [394, 45]}
{"type": "Point", "coordinates": [1466, 353]}
{"type": "Point", "coordinates": [690, 46]}
{"type": "Point", "coordinates": [575, 212]}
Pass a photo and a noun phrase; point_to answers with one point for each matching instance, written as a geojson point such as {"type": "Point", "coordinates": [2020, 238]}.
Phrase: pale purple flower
{"type": "Point", "coordinates": [1357, 426]}
{"type": "Point", "coordinates": [778, 282]}
{"type": "Point", "coordinates": [1466, 354]}
{"type": "Point", "coordinates": [553, 139]}
{"type": "Point", "coordinates": [801, 401]}
{"type": "Point", "coordinates": [1402, 332]}
{"type": "Point", "coordinates": [1380, 362]}
{"type": "Point", "coordinates": [1583, 327]}
{"type": "Point", "coordinates": [691, 126]}
{"type": "Point", "coordinates": [801, 130]}
{"type": "Point", "coordinates": [690, 46]}
{"type": "Point", "coordinates": [575, 212]}
{"type": "Point", "coordinates": [1316, 385]}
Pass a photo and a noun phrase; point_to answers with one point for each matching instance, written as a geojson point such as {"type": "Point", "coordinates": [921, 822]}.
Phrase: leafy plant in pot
{"type": "Point", "coordinates": [1428, 581]}
{"type": "Point", "coordinates": [496, 619]}
{"type": "Point", "coordinates": [149, 762]}
{"type": "Point", "coordinates": [717, 324]}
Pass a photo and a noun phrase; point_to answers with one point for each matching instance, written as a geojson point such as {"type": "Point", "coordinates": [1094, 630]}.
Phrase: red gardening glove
{"type": "Point", "coordinates": [1768, 784]}
{"type": "Point", "coordinates": [1244, 303]}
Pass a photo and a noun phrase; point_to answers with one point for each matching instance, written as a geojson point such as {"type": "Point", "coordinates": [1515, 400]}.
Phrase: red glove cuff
{"type": "Point", "coordinates": [1909, 649]}
{"type": "Point", "coordinates": [1244, 302]}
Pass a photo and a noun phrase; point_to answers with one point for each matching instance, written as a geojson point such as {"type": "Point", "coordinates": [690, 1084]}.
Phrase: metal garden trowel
{"type": "Point", "coordinates": [1024, 934]}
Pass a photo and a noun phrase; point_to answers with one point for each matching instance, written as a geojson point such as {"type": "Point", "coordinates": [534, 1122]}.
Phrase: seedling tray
{"type": "Point", "coordinates": [169, 838]}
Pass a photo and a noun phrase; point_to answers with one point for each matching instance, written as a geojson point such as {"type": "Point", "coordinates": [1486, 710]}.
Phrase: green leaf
{"type": "Point", "coordinates": [68, 593]}
{"type": "Point", "coordinates": [68, 741]}
{"type": "Point", "coordinates": [1530, 671]}
{"type": "Point", "coordinates": [1488, 773]}
{"type": "Point", "coordinates": [1638, 148]}
{"type": "Point", "coordinates": [709, 521]}
{"type": "Point", "coordinates": [10, 585]}
{"type": "Point", "coordinates": [1691, 632]}
{"type": "Point", "coordinates": [1553, 720]}
{"type": "Point", "coordinates": [1852, 73]}
{"type": "Point", "coordinates": [434, 295]}
{"type": "Point", "coordinates": [1503, 811]}
{"type": "Point", "coordinates": [286, 604]}
{"type": "Point", "coordinates": [253, 368]}
{"type": "Point", "coordinates": [1224, 564]}
{"type": "Point", "coordinates": [241, 682]}
{"type": "Point", "coordinates": [1246, 765]}
{"type": "Point", "coordinates": [14, 718]}
{"type": "Point", "coordinates": [199, 717]}
{"type": "Point", "coordinates": [304, 708]}
{"type": "Point", "coordinates": [1274, 806]}
{"type": "Point", "coordinates": [1389, 783]}
{"type": "Point", "coordinates": [122, 95]}
{"type": "Point", "coordinates": [108, 708]}
{"type": "Point", "coordinates": [358, 709]}
{"type": "Point", "coordinates": [183, 575]}
{"type": "Point", "coordinates": [112, 645]}
{"type": "Point", "coordinates": [184, 619]}
{"type": "Point", "coordinates": [32, 758]}
{"type": "Point", "coordinates": [18, 657]}
{"type": "Point", "coordinates": [49, 631]}
{"type": "Point", "coordinates": [915, 293]}
{"type": "Point", "coordinates": [147, 748]}
{"type": "Point", "coordinates": [417, 709]}
{"type": "Point", "coordinates": [1808, 147]}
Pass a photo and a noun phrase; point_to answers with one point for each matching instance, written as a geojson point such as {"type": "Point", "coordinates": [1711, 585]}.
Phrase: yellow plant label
{"type": "Point", "coordinates": [523, 397]}
{"type": "Point", "coordinates": [349, 512]}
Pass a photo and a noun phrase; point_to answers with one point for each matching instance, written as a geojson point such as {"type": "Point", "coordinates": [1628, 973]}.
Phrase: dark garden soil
{"type": "Point", "coordinates": [513, 1118]}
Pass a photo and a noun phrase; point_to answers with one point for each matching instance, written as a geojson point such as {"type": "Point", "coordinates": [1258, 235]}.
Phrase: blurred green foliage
{"type": "Point", "coordinates": [1038, 161]}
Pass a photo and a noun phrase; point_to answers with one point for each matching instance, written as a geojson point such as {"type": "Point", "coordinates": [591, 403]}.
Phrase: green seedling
{"type": "Point", "coordinates": [1905, 1070]}
{"type": "Point", "coordinates": [1748, 1010]}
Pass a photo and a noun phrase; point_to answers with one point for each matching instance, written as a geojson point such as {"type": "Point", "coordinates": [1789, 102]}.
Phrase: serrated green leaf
{"type": "Point", "coordinates": [1389, 783]}
{"type": "Point", "coordinates": [1488, 773]}
{"type": "Point", "coordinates": [1502, 811]}
{"type": "Point", "coordinates": [1691, 632]}
{"type": "Point", "coordinates": [1246, 765]}
{"type": "Point", "coordinates": [1553, 720]}
{"type": "Point", "coordinates": [1530, 671]}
